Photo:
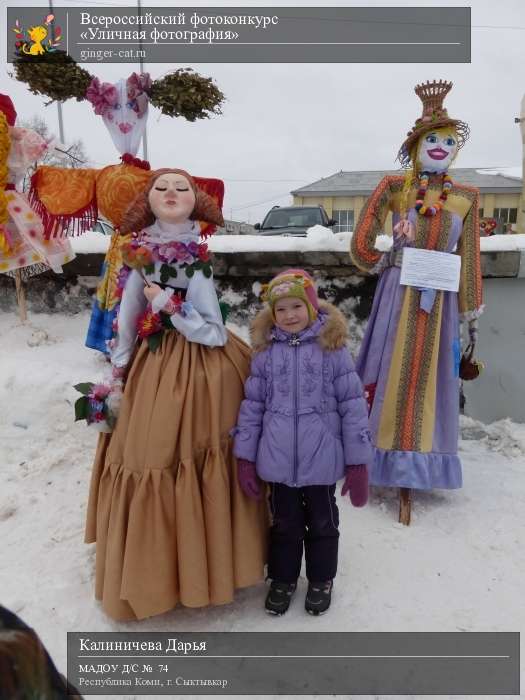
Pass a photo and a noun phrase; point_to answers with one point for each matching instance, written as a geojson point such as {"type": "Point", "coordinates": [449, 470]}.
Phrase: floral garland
{"type": "Point", "coordinates": [138, 255]}
{"type": "Point", "coordinates": [423, 187]}
{"type": "Point", "coordinates": [190, 257]}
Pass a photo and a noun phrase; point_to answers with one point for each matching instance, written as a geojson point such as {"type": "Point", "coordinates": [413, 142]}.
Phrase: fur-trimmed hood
{"type": "Point", "coordinates": [332, 335]}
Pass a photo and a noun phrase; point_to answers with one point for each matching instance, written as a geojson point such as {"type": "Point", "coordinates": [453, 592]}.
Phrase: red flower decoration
{"type": "Point", "coordinates": [148, 324]}
{"type": "Point", "coordinates": [204, 254]}
{"type": "Point", "coordinates": [174, 304]}
{"type": "Point", "coordinates": [137, 162]}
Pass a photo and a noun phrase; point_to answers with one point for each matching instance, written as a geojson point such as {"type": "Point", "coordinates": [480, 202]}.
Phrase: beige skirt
{"type": "Point", "coordinates": [165, 509]}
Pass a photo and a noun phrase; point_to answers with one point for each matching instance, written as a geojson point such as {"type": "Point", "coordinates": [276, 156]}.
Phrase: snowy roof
{"type": "Point", "coordinates": [363, 182]}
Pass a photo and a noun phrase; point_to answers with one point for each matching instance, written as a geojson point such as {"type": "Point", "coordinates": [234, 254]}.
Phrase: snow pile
{"type": "Point", "coordinates": [509, 241]}
{"type": "Point", "coordinates": [90, 242]}
{"type": "Point", "coordinates": [502, 436]}
{"type": "Point", "coordinates": [318, 238]}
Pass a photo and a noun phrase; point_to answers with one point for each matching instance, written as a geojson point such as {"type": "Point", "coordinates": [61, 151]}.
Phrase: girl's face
{"type": "Point", "coordinates": [291, 314]}
{"type": "Point", "coordinates": [172, 198]}
{"type": "Point", "coordinates": [437, 150]}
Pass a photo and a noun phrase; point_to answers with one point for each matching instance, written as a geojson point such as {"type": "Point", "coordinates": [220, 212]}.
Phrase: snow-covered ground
{"type": "Point", "coordinates": [459, 566]}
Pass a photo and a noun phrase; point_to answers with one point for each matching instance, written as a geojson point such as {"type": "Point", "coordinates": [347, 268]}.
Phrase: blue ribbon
{"type": "Point", "coordinates": [428, 296]}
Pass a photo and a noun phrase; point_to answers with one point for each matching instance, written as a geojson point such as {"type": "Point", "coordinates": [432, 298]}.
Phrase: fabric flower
{"type": "Point", "coordinates": [193, 248]}
{"type": "Point", "coordinates": [136, 256]}
{"type": "Point", "coordinates": [186, 308]}
{"type": "Point", "coordinates": [148, 324]}
{"type": "Point", "coordinates": [122, 277]}
{"type": "Point", "coordinates": [174, 305]}
{"type": "Point", "coordinates": [99, 392]}
{"type": "Point", "coordinates": [103, 97]}
{"type": "Point", "coordinates": [95, 411]}
{"type": "Point", "coordinates": [203, 252]}
{"type": "Point", "coordinates": [138, 87]}
{"type": "Point", "coordinates": [167, 251]}
{"type": "Point", "coordinates": [182, 254]}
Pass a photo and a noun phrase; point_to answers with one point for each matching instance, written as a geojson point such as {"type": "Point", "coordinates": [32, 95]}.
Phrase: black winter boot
{"type": "Point", "coordinates": [318, 597]}
{"type": "Point", "coordinates": [279, 597]}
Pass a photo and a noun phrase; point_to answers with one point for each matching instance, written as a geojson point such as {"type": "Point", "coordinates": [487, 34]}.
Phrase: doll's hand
{"type": "Point", "coordinates": [116, 389]}
{"type": "Point", "coordinates": [118, 373]}
{"type": "Point", "coordinates": [356, 485]}
{"type": "Point", "coordinates": [405, 228]}
{"type": "Point", "coordinates": [151, 292]}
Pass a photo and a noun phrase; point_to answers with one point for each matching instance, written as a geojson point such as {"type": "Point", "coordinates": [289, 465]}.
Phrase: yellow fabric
{"type": "Point", "coordinates": [107, 291]}
{"type": "Point", "coordinates": [117, 186]}
{"type": "Point", "coordinates": [429, 400]}
{"type": "Point", "coordinates": [387, 424]}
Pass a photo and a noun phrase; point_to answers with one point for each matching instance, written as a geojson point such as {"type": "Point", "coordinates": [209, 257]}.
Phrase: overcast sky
{"type": "Point", "coordinates": [287, 125]}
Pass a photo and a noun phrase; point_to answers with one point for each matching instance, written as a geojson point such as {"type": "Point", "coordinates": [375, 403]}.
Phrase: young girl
{"type": "Point", "coordinates": [302, 426]}
{"type": "Point", "coordinates": [165, 509]}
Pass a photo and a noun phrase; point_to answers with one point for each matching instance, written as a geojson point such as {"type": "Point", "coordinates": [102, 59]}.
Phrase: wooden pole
{"type": "Point", "coordinates": [59, 104]}
{"type": "Point", "coordinates": [20, 296]}
{"type": "Point", "coordinates": [405, 503]}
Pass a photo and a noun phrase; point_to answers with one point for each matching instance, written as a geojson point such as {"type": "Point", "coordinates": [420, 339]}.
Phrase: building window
{"type": "Point", "coordinates": [481, 212]}
{"type": "Point", "coordinates": [344, 218]}
{"type": "Point", "coordinates": [506, 215]}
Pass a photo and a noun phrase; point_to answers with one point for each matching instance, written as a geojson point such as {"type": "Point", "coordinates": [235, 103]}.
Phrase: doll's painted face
{"type": "Point", "coordinates": [172, 198]}
{"type": "Point", "coordinates": [291, 314]}
{"type": "Point", "coordinates": [436, 150]}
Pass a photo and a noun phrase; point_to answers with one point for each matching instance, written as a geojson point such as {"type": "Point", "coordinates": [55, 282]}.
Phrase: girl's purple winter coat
{"type": "Point", "coordinates": [305, 416]}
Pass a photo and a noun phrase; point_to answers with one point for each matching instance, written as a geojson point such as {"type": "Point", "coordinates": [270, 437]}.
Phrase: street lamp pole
{"type": "Point", "coordinates": [141, 64]}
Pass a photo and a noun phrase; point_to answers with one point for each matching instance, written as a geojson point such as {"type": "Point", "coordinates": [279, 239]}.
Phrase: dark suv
{"type": "Point", "coordinates": [293, 221]}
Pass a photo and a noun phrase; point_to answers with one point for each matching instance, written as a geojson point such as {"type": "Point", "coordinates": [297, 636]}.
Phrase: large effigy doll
{"type": "Point", "coordinates": [410, 357]}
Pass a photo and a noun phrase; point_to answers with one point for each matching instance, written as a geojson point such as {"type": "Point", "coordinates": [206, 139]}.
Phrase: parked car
{"type": "Point", "coordinates": [293, 221]}
{"type": "Point", "coordinates": [103, 226]}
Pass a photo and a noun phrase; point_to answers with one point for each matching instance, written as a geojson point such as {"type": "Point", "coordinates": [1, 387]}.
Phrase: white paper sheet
{"type": "Point", "coordinates": [430, 269]}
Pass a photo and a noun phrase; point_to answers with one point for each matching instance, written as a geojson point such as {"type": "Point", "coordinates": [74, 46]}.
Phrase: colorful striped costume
{"type": "Point", "coordinates": [409, 359]}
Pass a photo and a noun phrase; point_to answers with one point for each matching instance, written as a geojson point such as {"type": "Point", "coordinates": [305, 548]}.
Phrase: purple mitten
{"type": "Point", "coordinates": [248, 479]}
{"type": "Point", "coordinates": [356, 485]}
